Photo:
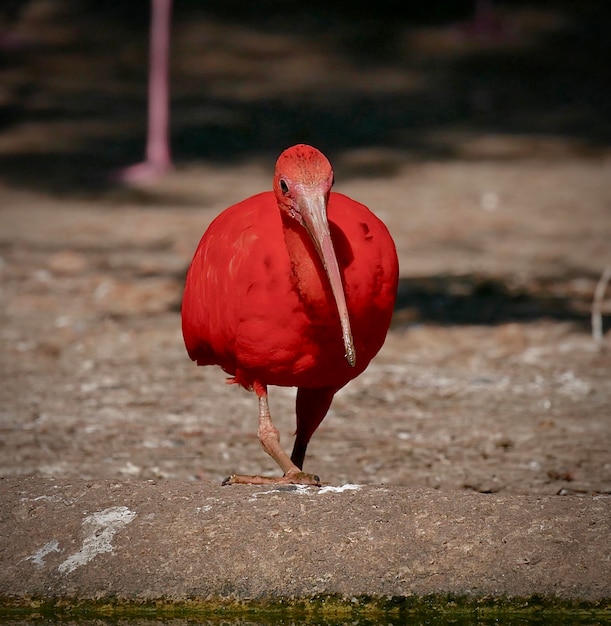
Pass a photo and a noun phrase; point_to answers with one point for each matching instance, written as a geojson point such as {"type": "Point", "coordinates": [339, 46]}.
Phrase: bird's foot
{"type": "Point", "coordinates": [142, 173]}
{"type": "Point", "coordinates": [295, 478]}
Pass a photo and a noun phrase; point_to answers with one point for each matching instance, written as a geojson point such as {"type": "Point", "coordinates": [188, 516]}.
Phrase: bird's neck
{"type": "Point", "coordinates": [307, 268]}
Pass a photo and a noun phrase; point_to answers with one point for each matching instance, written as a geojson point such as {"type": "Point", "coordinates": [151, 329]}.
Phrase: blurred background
{"type": "Point", "coordinates": [437, 80]}
{"type": "Point", "coordinates": [478, 130]}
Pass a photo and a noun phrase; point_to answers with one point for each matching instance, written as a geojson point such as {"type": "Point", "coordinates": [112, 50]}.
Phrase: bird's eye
{"type": "Point", "coordinates": [284, 187]}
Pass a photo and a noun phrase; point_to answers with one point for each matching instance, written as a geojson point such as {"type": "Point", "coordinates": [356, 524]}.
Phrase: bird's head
{"type": "Point", "coordinates": [302, 184]}
{"type": "Point", "coordinates": [302, 173]}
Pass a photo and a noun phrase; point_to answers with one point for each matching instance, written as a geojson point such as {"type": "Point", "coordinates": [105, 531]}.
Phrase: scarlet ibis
{"type": "Point", "coordinates": [157, 158]}
{"type": "Point", "coordinates": [292, 287]}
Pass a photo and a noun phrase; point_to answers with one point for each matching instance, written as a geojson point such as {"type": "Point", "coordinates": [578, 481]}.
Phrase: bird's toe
{"type": "Point", "coordinates": [302, 478]}
{"type": "Point", "coordinates": [292, 478]}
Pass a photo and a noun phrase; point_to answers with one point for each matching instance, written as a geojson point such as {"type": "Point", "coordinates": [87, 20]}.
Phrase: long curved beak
{"type": "Point", "coordinates": [313, 210]}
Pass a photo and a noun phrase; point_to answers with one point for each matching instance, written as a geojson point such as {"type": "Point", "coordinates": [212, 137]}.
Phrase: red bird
{"type": "Point", "coordinates": [292, 287]}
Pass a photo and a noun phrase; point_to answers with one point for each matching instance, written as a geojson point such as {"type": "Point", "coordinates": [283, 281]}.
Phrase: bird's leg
{"type": "Point", "coordinates": [270, 440]}
{"type": "Point", "coordinates": [311, 406]}
{"type": "Point", "coordinates": [157, 159]}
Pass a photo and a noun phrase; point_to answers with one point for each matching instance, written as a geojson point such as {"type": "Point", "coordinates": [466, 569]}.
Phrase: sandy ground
{"type": "Point", "coordinates": [489, 380]}
{"type": "Point", "coordinates": [296, 554]}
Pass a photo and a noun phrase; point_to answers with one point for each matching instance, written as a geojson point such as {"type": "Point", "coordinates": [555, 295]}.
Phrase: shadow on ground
{"type": "Point", "coordinates": [449, 299]}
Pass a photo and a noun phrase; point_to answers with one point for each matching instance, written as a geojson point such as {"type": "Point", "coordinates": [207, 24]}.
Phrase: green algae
{"type": "Point", "coordinates": [328, 610]}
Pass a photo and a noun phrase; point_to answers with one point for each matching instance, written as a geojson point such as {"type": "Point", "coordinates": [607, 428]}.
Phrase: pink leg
{"type": "Point", "coordinates": [157, 159]}
{"type": "Point", "coordinates": [270, 440]}
{"type": "Point", "coordinates": [485, 25]}
{"type": "Point", "coordinates": [10, 42]}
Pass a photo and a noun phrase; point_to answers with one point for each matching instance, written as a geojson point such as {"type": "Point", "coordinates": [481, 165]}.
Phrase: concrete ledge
{"type": "Point", "coordinates": [139, 542]}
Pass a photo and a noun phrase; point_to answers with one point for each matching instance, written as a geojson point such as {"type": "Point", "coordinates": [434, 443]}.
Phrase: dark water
{"type": "Point", "coordinates": [581, 618]}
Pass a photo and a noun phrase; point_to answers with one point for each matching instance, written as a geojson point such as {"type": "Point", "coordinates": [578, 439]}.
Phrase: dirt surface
{"type": "Point", "coordinates": [489, 380]}
{"type": "Point", "coordinates": [138, 541]}
{"type": "Point", "coordinates": [97, 384]}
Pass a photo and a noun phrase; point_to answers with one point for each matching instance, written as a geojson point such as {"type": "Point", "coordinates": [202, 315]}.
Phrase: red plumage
{"type": "Point", "coordinates": [259, 303]}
